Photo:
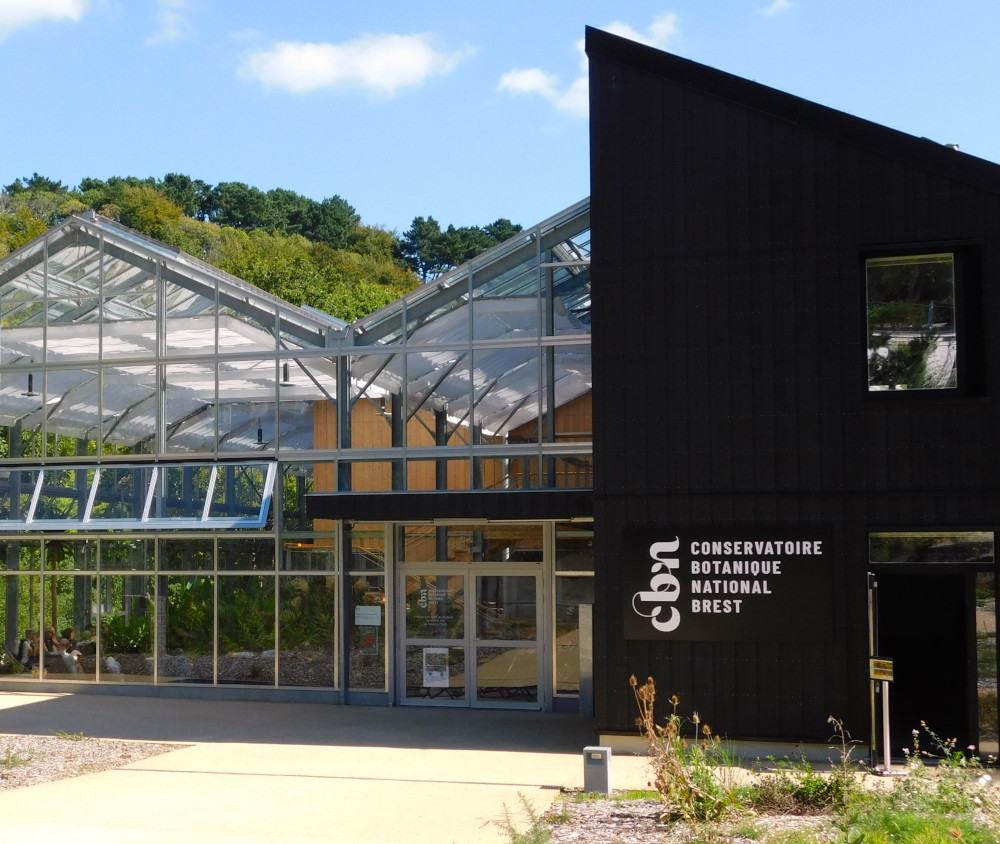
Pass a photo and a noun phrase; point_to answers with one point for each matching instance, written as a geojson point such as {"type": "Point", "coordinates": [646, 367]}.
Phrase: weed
{"type": "Point", "coordinates": [13, 759]}
{"type": "Point", "coordinates": [690, 779]}
{"type": "Point", "coordinates": [538, 831]}
{"type": "Point", "coordinates": [71, 736]}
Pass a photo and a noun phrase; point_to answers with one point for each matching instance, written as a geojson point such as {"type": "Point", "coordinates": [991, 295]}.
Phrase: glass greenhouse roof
{"type": "Point", "coordinates": [469, 334]}
{"type": "Point", "coordinates": [117, 340]}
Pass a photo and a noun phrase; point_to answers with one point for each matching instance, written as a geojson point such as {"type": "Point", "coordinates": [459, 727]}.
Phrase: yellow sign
{"type": "Point", "coordinates": [880, 668]}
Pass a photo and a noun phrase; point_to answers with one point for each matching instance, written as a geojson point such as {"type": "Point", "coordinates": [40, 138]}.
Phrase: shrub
{"type": "Point", "coordinates": [688, 777]}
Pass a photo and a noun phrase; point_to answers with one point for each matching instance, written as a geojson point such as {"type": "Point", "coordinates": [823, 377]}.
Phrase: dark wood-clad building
{"type": "Point", "coordinates": [791, 311]}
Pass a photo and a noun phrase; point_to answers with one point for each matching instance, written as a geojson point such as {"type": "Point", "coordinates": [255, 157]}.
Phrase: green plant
{"type": "Point", "coordinates": [71, 736]}
{"type": "Point", "coordinates": [794, 787]}
{"type": "Point", "coordinates": [689, 777]}
{"type": "Point", "coordinates": [126, 635]}
{"type": "Point", "coordinates": [537, 832]}
{"type": "Point", "coordinates": [13, 759]}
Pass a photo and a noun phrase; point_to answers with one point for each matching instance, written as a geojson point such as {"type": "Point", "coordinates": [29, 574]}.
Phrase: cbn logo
{"type": "Point", "coordinates": [664, 588]}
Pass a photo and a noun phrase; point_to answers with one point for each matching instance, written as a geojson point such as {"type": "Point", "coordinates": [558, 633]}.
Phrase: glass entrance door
{"type": "Point", "coordinates": [478, 648]}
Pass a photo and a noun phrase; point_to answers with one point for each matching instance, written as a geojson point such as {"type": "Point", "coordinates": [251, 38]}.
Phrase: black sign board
{"type": "Point", "coordinates": [728, 584]}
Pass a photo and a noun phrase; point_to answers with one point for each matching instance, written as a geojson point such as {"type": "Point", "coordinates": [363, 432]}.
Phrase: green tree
{"type": "Point", "coordinates": [423, 246]}
{"type": "Point", "coordinates": [190, 194]}
{"type": "Point", "coordinates": [331, 221]}
{"type": "Point", "coordinates": [241, 206]}
{"type": "Point", "coordinates": [35, 183]}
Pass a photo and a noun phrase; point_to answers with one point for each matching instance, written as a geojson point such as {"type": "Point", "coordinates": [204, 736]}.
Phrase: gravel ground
{"type": "Point", "coordinates": [31, 760]}
{"type": "Point", "coordinates": [619, 821]}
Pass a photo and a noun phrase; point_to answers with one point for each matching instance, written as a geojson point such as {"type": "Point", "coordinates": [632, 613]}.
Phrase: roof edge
{"type": "Point", "coordinates": [893, 143]}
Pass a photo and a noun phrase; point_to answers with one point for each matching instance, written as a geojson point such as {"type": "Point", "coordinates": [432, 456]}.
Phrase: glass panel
{"type": "Point", "coordinates": [367, 646]}
{"type": "Point", "coordinates": [19, 309]}
{"type": "Point", "coordinates": [20, 406]}
{"type": "Point", "coordinates": [318, 555]}
{"type": "Point", "coordinates": [372, 475]}
{"type": "Point", "coordinates": [507, 389]}
{"type": "Point", "coordinates": [69, 335]}
{"type": "Point", "coordinates": [509, 674]}
{"type": "Point", "coordinates": [16, 490]}
{"type": "Point", "coordinates": [247, 401]}
{"type": "Point", "coordinates": [127, 554]}
{"type": "Point", "coordinates": [454, 473]}
{"type": "Point", "coordinates": [307, 630]}
{"type": "Point", "coordinates": [912, 343]}
{"type": "Point", "coordinates": [189, 400]}
{"type": "Point", "coordinates": [64, 494]}
{"type": "Point", "coordinates": [181, 492]}
{"type": "Point", "coordinates": [577, 472]}
{"type": "Point", "coordinates": [246, 630]}
{"type": "Point", "coordinates": [930, 547]}
{"type": "Point", "coordinates": [571, 592]}
{"type": "Point", "coordinates": [21, 555]}
{"type": "Point", "coordinates": [986, 661]}
{"type": "Point", "coordinates": [575, 547]}
{"type": "Point", "coordinates": [246, 554]}
{"type": "Point", "coordinates": [190, 322]}
{"type": "Point", "coordinates": [20, 616]}
{"type": "Point", "coordinates": [189, 615]}
{"type": "Point", "coordinates": [299, 479]}
{"type": "Point", "coordinates": [187, 554]}
{"type": "Point", "coordinates": [247, 323]}
{"type": "Point", "coordinates": [506, 607]}
{"type": "Point", "coordinates": [300, 422]}
{"type": "Point", "coordinates": [73, 263]}
{"type": "Point", "coordinates": [128, 281]}
{"type": "Point", "coordinates": [70, 555]}
{"type": "Point", "coordinates": [128, 407]}
{"type": "Point", "coordinates": [435, 672]}
{"type": "Point", "coordinates": [506, 303]}
{"type": "Point", "coordinates": [435, 606]}
{"type": "Point", "coordinates": [66, 605]}
{"type": "Point", "coordinates": [367, 546]}
{"type": "Point", "coordinates": [71, 401]}
{"type": "Point", "coordinates": [126, 641]}
{"type": "Point", "coordinates": [437, 396]}
{"type": "Point", "coordinates": [239, 491]}
{"type": "Point", "coordinates": [307, 380]}
{"type": "Point", "coordinates": [121, 492]}
{"type": "Point", "coordinates": [298, 333]}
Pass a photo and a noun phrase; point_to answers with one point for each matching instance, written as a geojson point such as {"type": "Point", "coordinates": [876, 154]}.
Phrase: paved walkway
{"type": "Point", "coordinates": [284, 772]}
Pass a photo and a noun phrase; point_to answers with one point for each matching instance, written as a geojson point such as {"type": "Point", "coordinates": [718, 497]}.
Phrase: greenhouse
{"type": "Point", "coordinates": [205, 485]}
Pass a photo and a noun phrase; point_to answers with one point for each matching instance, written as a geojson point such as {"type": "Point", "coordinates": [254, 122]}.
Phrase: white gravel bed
{"type": "Point", "coordinates": [31, 760]}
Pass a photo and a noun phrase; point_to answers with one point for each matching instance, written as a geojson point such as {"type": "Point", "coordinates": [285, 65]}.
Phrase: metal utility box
{"type": "Point", "coordinates": [597, 770]}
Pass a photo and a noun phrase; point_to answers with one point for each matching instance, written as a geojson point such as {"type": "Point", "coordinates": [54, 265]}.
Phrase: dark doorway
{"type": "Point", "coordinates": [925, 624]}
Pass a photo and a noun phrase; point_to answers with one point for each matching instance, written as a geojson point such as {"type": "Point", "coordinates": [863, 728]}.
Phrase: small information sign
{"type": "Point", "coordinates": [880, 668]}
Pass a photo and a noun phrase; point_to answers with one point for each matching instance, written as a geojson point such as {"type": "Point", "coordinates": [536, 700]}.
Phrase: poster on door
{"type": "Point", "coordinates": [436, 668]}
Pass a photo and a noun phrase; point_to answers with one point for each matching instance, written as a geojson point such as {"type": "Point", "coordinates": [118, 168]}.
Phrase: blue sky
{"type": "Point", "coordinates": [466, 111]}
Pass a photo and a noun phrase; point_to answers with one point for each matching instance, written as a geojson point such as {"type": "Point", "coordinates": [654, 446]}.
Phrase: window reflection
{"type": "Point", "coordinates": [912, 343]}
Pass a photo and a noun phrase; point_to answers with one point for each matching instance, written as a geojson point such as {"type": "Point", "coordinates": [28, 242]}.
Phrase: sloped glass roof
{"type": "Point", "coordinates": [479, 324]}
{"type": "Point", "coordinates": [93, 292]}
{"type": "Point", "coordinates": [115, 339]}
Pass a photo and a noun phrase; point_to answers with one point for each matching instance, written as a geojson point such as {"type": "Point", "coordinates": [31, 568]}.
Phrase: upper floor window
{"type": "Point", "coordinates": [912, 336]}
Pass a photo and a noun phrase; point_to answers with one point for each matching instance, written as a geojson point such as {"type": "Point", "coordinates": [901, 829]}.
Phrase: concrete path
{"type": "Point", "coordinates": [284, 772]}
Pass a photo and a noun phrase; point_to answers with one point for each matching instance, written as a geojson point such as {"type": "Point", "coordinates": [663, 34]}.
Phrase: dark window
{"type": "Point", "coordinates": [913, 339]}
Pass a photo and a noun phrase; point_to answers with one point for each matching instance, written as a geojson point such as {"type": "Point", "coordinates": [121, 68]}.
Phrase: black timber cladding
{"type": "Point", "coordinates": [729, 223]}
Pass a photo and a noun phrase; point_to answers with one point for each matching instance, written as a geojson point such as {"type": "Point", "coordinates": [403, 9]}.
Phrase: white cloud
{"type": "Point", "coordinates": [777, 7]}
{"type": "Point", "coordinates": [17, 14]}
{"type": "Point", "coordinates": [382, 65]}
{"type": "Point", "coordinates": [530, 81]}
{"type": "Point", "coordinates": [574, 100]}
{"type": "Point", "coordinates": [172, 20]}
{"type": "Point", "coordinates": [660, 33]}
